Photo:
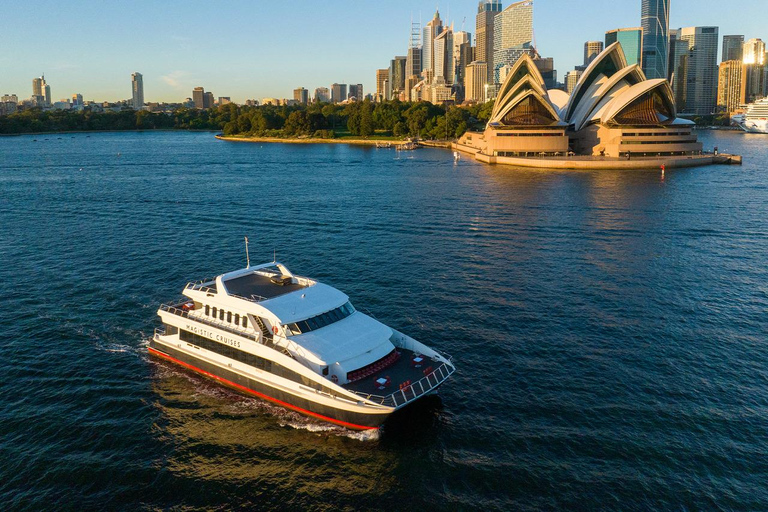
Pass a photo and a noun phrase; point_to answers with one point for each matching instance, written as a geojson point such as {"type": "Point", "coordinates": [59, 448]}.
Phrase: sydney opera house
{"type": "Point", "coordinates": [613, 113]}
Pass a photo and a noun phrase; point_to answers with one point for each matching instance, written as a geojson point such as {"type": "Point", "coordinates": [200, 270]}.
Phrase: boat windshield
{"type": "Point", "coordinates": [320, 321]}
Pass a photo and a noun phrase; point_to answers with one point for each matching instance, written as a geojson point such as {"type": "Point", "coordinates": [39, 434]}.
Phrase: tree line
{"type": "Point", "coordinates": [324, 120]}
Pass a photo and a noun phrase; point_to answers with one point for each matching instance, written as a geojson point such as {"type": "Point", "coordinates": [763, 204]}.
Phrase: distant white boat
{"type": "Point", "coordinates": [755, 120]}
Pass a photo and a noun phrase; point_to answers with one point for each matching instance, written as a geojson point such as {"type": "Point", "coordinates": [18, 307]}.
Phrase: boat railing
{"type": "Point", "coordinates": [413, 390]}
{"type": "Point", "coordinates": [198, 285]}
{"type": "Point", "coordinates": [213, 323]}
{"type": "Point", "coordinates": [159, 331]}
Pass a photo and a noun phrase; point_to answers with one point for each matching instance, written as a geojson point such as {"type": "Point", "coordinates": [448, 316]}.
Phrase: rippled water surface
{"type": "Point", "coordinates": [609, 328]}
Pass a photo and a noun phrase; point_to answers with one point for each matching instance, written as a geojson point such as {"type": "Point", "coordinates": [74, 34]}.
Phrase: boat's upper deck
{"type": "Point", "coordinates": [262, 285]}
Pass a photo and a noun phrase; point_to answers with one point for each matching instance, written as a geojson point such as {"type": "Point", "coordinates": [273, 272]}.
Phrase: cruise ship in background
{"type": "Point", "coordinates": [299, 343]}
{"type": "Point", "coordinates": [755, 119]}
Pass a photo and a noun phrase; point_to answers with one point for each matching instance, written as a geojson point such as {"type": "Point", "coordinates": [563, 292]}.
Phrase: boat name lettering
{"type": "Point", "coordinates": [211, 335]}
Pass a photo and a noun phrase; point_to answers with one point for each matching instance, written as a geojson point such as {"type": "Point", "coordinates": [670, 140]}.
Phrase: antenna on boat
{"type": "Point", "coordinates": [247, 256]}
{"type": "Point", "coordinates": [274, 255]}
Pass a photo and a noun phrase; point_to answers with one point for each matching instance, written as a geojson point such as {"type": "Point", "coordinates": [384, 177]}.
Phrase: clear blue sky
{"type": "Point", "coordinates": [257, 49]}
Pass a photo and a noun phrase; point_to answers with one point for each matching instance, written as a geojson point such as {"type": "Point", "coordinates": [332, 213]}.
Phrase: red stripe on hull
{"type": "Point", "coordinates": [260, 395]}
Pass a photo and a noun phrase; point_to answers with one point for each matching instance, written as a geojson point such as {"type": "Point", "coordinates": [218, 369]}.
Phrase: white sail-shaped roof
{"type": "Point", "coordinates": [605, 65]}
{"type": "Point", "coordinates": [664, 113]}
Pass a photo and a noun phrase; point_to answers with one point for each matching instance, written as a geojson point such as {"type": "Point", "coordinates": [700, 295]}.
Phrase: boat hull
{"type": "Point", "coordinates": [345, 418]}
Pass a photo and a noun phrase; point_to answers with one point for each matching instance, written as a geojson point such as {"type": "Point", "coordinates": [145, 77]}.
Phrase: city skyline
{"type": "Point", "coordinates": [173, 61]}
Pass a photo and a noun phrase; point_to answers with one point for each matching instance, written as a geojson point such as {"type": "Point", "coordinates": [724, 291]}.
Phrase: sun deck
{"type": "Point", "coordinates": [261, 285]}
{"type": "Point", "coordinates": [411, 376]}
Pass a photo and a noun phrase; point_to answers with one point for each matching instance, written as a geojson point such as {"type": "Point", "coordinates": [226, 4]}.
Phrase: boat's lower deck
{"type": "Point", "coordinates": [350, 417]}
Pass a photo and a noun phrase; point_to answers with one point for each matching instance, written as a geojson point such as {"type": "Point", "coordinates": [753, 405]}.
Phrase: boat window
{"type": "Point", "coordinates": [250, 359]}
{"type": "Point", "coordinates": [214, 312]}
{"type": "Point", "coordinates": [207, 310]}
{"type": "Point", "coordinates": [237, 318]}
{"type": "Point", "coordinates": [320, 321]}
{"type": "Point", "coordinates": [245, 321]}
{"type": "Point", "coordinates": [229, 316]}
{"type": "Point", "coordinates": [221, 315]}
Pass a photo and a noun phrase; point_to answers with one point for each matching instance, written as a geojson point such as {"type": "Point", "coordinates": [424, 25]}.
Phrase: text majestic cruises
{"type": "Point", "coordinates": [299, 343]}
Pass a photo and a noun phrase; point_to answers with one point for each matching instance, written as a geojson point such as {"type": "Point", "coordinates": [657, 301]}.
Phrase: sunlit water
{"type": "Point", "coordinates": [609, 328]}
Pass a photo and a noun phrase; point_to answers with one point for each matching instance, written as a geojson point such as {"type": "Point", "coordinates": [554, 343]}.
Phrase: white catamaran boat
{"type": "Point", "coordinates": [299, 343]}
{"type": "Point", "coordinates": [755, 119]}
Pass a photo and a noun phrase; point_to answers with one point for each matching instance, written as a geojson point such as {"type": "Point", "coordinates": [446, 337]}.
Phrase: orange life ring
{"type": "Point", "coordinates": [274, 329]}
{"type": "Point", "coordinates": [334, 379]}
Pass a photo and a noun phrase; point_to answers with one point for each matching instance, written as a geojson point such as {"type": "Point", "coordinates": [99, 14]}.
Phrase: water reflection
{"type": "Point", "coordinates": [220, 436]}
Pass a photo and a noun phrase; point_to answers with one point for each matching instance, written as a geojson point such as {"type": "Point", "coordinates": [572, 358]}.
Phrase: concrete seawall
{"type": "Point", "coordinates": [597, 162]}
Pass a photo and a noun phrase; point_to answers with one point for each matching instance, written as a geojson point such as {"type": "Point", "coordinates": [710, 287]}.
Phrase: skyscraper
{"type": "Point", "coordinates": [678, 67]}
{"type": "Point", "coordinates": [430, 32]}
{"type": "Point", "coordinates": [382, 75]}
{"type": "Point", "coordinates": [591, 50]}
{"type": "Point", "coordinates": [701, 69]}
{"type": "Point", "coordinates": [571, 79]}
{"type": "Point", "coordinates": [486, 11]}
{"type": "Point", "coordinates": [512, 34]}
{"type": "Point", "coordinates": [198, 95]}
{"type": "Point", "coordinates": [137, 87]}
{"type": "Point", "coordinates": [654, 18]}
{"type": "Point", "coordinates": [338, 93]}
{"type": "Point", "coordinates": [463, 55]}
{"type": "Point", "coordinates": [753, 52]}
{"type": "Point", "coordinates": [322, 95]}
{"type": "Point", "coordinates": [301, 95]}
{"type": "Point", "coordinates": [356, 91]}
{"type": "Point", "coordinates": [631, 40]}
{"type": "Point", "coordinates": [396, 77]}
{"type": "Point", "coordinates": [475, 81]}
{"type": "Point", "coordinates": [731, 85]}
{"type": "Point", "coordinates": [732, 47]}
{"type": "Point", "coordinates": [208, 100]}
{"type": "Point", "coordinates": [443, 55]}
{"type": "Point", "coordinates": [413, 64]}
{"type": "Point", "coordinates": [41, 92]}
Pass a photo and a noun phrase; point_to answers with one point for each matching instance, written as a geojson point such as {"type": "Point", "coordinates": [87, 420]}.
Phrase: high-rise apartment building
{"type": "Point", "coordinates": [382, 76]}
{"type": "Point", "coordinates": [654, 18]}
{"type": "Point", "coordinates": [731, 87]}
{"type": "Point", "coordinates": [486, 12]}
{"type": "Point", "coordinates": [338, 93]}
{"type": "Point", "coordinates": [198, 94]}
{"type": "Point", "coordinates": [753, 52]}
{"type": "Point", "coordinates": [322, 95]}
{"type": "Point", "coordinates": [591, 50]}
{"type": "Point", "coordinates": [475, 81]}
{"type": "Point", "coordinates": [631, 40]}
{"type": "Point", "coordinates": [732, 47]}
{"type": "Point", "coordinates": [571, 79]}
{"type": "Point", "coordinates": [512, 34]}
{"type": "Point", "coordinates": [413, 64]}
{"type": "Point", "coordinates": [301, 95]}
{"type": "Point", "coordinates": [396, 81]}
{"type": "Point", "coordinates": [701, 69]}
{"type": "Point", "coordinates": [413, 61]}
{"type": "Point", "coordinates": [137, 90]}
{"type": "Point", "coordinates": [224, 100]}
{"type": "Point", "coordinates": [208, 101]}
{"type": "Point", "coordinates": [443, 55]}
{"type": "Point", "coordinates": [41, 92]}
{"type": "Point", "coordinates": [356, 91]}
{"type": "Point", "coordinates": [463, 56]}
{"type": "Point", "coordinates": [433, 29]}
{"type": "Point", "coordinates": [678, 67]}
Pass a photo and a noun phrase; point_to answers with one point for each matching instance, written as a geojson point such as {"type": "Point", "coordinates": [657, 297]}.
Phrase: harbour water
{"type": "Point", "coordinates": [609, 328]}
